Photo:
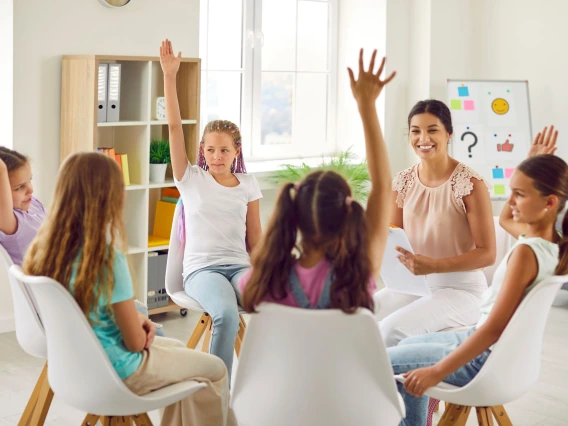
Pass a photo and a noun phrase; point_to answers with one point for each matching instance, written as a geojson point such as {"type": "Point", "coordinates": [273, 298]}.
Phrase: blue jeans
{"type": "Point", "coordinates": [424, 351]}
{"type": "Point", "coordinates": [215, 288]}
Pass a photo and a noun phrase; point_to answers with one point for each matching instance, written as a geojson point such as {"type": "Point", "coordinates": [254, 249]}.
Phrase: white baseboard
{"type": "Point", "coordinates": [7, 324]}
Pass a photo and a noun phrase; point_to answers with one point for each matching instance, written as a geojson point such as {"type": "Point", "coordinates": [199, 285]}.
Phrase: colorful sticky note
{"type": "Point", "coordinates": [456, 104]}
{"type": "Point", "coordinates": [463, 91]}
{"type": "Point", "coordinates": [468, 105]}
{"type": "Point", "coordinates": [509, 172]}
{"type": "Point", "coordinates": [499, 189]}
{"type": "Point", "coordinates": [498, 173]}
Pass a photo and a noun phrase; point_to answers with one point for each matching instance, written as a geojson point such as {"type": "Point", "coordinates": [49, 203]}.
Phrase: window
{"type": "Point", "coordinates": [270, 66]}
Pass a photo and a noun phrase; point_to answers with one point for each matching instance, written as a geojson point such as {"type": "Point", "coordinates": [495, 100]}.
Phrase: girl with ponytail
{"type": "Point", "coordinates": [220, 216]}
{"type": "Point", "coordinates": [539, 190]}
{"type": "Point", "coordinates": [340, 245]}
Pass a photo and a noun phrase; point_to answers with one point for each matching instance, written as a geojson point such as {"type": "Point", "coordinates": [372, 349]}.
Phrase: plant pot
{"type": "Point", "coordinates": [158, 173]}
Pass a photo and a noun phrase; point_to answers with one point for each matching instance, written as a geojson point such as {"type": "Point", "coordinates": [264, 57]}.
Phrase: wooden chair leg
{"type": "Point", "coordinates": [106, 421]}
{"type": "Point", "coordinates": [455, 415]}
{"type": "Point", "coordinates": [501, 415]}
{"type": "Point", "coordinates": [484, 416]}
{"type": "Point", "coordinates": [242, 327]}
{"type": "Point", "coordinates": [238, 344]}
{"type": "Point", "coordinates": [28, 411]}
{"type": "Point", "coordinates": [199, 330]}
{"type": "Point", "coordinates": [44, 399]}
{"type": "Point", "coordinates": [142, 420]}
{"type": "Point", "coordinates": [90, 420]}
{"type": "Point", "coordinates": [207, 340]}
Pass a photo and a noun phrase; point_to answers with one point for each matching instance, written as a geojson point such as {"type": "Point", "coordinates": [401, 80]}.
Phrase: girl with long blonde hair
{"type": "Point", "coordinates": [79, 245]}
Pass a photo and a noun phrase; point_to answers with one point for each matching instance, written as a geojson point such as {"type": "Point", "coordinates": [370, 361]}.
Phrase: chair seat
{"type": "Point", "coordinates": [468, 396]}
{"type": "Point", "coordinates": [127, 403]}
{"type": "Point", "coordinates": [183, 300]}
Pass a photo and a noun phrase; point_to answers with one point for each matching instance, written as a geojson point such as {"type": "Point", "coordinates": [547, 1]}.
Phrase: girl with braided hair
{"type": "Point", "coordinates": [221, 214]}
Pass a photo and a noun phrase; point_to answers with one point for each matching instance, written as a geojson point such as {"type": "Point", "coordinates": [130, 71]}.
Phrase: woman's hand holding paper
{"type": "Point", "coordinates": [416, 263]}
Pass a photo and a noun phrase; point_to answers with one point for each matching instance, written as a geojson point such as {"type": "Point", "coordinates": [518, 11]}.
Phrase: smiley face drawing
{"type": "Point", "coordinates": [500, 106]}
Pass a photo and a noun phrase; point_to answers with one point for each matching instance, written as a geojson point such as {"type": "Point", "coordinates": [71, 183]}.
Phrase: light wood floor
{"type": "Point", "coordinates": [545, 405]}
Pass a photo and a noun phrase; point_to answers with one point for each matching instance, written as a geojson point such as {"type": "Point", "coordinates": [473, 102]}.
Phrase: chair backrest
{"type": "Point", "coordinates": [79, 371]}
{"type": "Point", "coordinates": [503, 240]}
{"type": "Point", "coordinates": [314, 367]}
{"type": "Point", "coordinates": [174, 266]}
{"type": "Point", "coordinates": [29, 329]}
{"type": "Point", "coordinates": [514, 363]}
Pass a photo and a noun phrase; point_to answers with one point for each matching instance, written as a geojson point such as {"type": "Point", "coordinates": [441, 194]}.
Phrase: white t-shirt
{"type": "Point", "coordinates": [215, 219]}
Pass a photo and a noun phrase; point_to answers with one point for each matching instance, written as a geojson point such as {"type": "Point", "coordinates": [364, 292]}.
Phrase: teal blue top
{"type": "Point", "coordinates": [124, 362]}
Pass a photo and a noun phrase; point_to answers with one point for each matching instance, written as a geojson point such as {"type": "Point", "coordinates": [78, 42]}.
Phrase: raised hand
{"type": "Point", "coordinates": [544, 142]}
{"type": "Point", "coordinates": [368, 86]}
{"type": "Point", "coordinates": [169, 61]}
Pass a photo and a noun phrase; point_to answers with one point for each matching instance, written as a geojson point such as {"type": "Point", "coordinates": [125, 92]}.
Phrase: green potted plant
{"type": "Point", "coordinates": [159, 160]}
{"type": "Point", "coordinates": [355, 173]}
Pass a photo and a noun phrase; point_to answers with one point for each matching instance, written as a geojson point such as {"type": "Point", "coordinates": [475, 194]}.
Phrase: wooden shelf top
{"type": "Point", "coordinates": [124, 58]}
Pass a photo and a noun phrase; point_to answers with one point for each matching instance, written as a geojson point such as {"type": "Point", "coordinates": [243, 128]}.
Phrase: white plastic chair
{"type": "Point", "coordinates": [307, 367]}
{"type": "Point", "coordinates": [31, 337]}
{"type": "Point", "coordinates": [512, 367]}
{"type": "Point", "coordinates": [174, 288]}
{"type": "Point", "coordinates": [79, 370]}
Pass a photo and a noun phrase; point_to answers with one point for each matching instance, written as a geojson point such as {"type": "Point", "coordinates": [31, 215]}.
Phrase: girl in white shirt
{"type": "Point", "coordinates": [221, 214]}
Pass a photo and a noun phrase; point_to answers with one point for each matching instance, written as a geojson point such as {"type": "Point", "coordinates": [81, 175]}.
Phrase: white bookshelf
{"type": "Point", "coordinates": [141, 84]}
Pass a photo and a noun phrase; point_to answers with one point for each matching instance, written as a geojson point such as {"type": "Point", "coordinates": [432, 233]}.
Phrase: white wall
{"type": "Point", "coordinates": [361, 25]}
{"type": "Point", "coordinates": [527, 41]}
{"type": "Point", "coordinates": [44, 31]}
{"type": "Point", "coordinates": [6, 70]}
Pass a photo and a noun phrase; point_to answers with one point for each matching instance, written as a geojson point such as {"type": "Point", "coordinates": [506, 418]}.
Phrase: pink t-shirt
{"type": "Point", "coordinates": [311, 279]}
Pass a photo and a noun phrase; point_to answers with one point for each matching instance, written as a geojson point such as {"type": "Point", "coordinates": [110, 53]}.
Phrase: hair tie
{"type": "Point", "coordinates": [348, 200]}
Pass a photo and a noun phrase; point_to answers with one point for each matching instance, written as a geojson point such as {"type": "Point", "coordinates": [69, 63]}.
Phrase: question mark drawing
{"type": "Point", "coordinates": [474, 141]}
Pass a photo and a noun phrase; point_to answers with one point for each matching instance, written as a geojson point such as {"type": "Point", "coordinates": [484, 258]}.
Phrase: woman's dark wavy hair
{"type": "Point", "coordinates": [318, 212]}
{"type": "Point", "coordinates": [550, 177]}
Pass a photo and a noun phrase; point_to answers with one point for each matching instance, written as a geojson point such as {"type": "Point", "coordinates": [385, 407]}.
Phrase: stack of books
{"type": "Point", "coordinates": [121, 159]}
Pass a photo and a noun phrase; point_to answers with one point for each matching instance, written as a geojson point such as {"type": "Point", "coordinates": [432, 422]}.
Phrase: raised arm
{"type": "Point", "coordinates": [8, 222]}
{"type": "Point", "coordinates": [544, 143]}
{"type": "Point", "coordinates": [366, 89]}
{"type": "Point", "coordinates": [170, 66]}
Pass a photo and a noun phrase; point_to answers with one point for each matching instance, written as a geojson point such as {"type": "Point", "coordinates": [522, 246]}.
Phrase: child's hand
{"type": "Point", "coordinates": [368, 86]}
{"type": "Point", "coordinates": [150, 329]}
{"type": "Point", "coordinates": [419, 381]}
{"type": "Point", "coordinates": [170, 62]}
{"type": "Point", "coordinates": [544, 142]}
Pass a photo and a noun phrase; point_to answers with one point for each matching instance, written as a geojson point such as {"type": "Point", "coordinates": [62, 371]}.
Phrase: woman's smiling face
{"type": "Point", "coordinates": [428, 136]}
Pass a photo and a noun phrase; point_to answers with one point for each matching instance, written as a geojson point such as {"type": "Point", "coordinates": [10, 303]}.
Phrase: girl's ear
{"type": "Point", "coordinates": [239, 151]}
{"type": "Point", "coordinates": [552, 202]}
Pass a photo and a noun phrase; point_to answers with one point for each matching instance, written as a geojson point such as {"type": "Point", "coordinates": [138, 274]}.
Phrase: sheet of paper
{"type": "Point", "coordinates": [394, 274]}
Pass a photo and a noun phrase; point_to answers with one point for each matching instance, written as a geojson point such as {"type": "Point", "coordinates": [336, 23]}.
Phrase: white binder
{"type": "Point", "coordinates": [102, 93]}
{"type": "Point", "coordinates": [113, 103]}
